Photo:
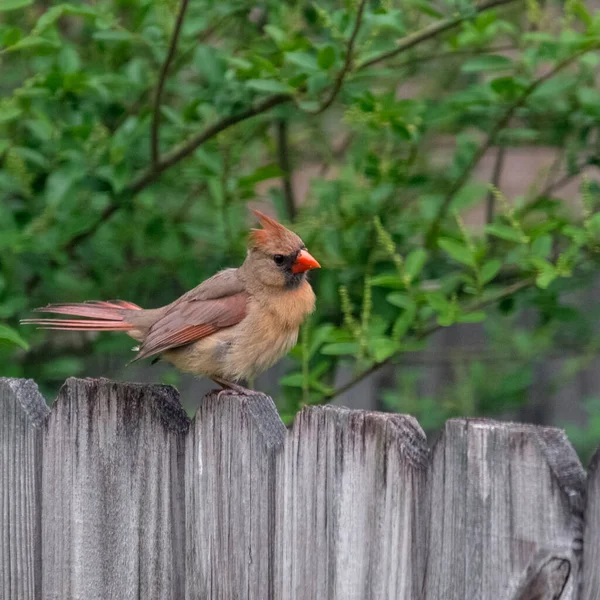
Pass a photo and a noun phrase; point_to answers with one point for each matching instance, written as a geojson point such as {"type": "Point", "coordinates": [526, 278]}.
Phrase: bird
{"type": "Point", "coordinates": [231, 327]}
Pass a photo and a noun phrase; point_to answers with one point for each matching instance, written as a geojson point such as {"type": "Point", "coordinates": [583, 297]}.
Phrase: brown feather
{"type": "Point", "coordinates": [274, 238]}
{"type": "Point", "coordinates": [192, 320]}
{"type": "Point", "coordinates": [98, 315]}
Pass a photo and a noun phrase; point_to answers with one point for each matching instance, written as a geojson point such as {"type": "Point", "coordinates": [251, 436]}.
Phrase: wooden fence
{"type": "Point", "coordinates": [115, 494]}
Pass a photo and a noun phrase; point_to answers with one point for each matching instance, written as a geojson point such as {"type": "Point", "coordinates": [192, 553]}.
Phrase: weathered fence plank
{"type": "Point", "coordinates": [22, 412]}
{"type": "Point", "coordinates": [115, 496]}
{"type": "Point", "coordinates": [350, 488]}
{"type": "Point", "coordinates": [113, 520]}
{"type": "Point", "coordinates": [230, 501]}
{"type": "Point", "coordinates": [501, 493]}
{"type": "Point", "coordinates": [591, 539]}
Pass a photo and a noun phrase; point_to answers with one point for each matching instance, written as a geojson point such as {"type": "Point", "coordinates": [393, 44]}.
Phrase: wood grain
{"type": "Point", "coordinates": [112, 493]}
{"type": "Point", "coordinates": [350, 490]}
{"type": "Point", "coordinates": [591, 538]}
{"type": "Point", "coordinates": [500, 494]}
{"type": "Point", "coordinates": [230, 499]}
{"type": "Point", "coordinates": [22, 413]}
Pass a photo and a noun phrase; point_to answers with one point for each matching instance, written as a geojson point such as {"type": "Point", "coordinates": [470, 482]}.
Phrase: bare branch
{"type": "Point", "coordinates": [428, 331]}
{"type": "Point", "coordinates": [429, 32]}
{"type": "Point", "coordinates": [283, 154]}
{"type": "Point", "coordinates": [185, 149]}
{"type": "Point", "coordinates": [452, 53]}
{"type": "Point", "coordinates": [339, 81]}
{"type": "Point", "coordinates": [159, 165]}
{"type": "Point", "coordinates": [162, 78]}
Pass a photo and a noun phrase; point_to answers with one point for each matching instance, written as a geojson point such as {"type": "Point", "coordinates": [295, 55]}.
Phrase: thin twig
{"type": "Point", "coordinates": [555, 166]}
{"type": "Point", "coordinates": [283, 154]}
{"type": "Point", "coordinates": [491, 140]}
{"type": "Point", "coordinates": [425, 333]}
{"type": "Point", "coordinates": [339, 81]}
{"type": "Point", "coordinates": [562, 181]}
{"type": "Point", "coordinates": [154, 131]}
{"type": "Point", "coordinates": [177, 154]}
{"type": "Point", "coordinates": [450, 54]}
{"type": "Point", "coordinates": [429, 32]}
{"type": "Point", "coordinates": [496, 176]}
{"type": "Point", "coordinates": [186, 148]}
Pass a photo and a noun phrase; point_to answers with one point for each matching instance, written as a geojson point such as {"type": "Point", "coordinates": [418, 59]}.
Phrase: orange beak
{"type": "Point", "coordinates": [304, 262]}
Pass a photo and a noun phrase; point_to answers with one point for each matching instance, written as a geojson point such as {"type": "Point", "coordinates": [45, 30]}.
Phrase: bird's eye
{"type": "Point", "coordinates": [279, 258]}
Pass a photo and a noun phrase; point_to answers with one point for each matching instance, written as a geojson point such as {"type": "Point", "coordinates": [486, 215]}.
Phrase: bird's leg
{"type": "Point", "coordinates": [228, 385]}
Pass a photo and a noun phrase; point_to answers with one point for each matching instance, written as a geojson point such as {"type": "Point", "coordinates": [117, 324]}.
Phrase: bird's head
{"type": "Point", "coordinates": [277, 256]}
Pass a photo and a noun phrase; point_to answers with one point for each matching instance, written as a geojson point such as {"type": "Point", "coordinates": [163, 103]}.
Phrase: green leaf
{"type": "Point", "coordinates": [414, 262]}
{"type": "Point", "coordinates": [6, 5]}
{"type": "Point", "coordinates": [486, 62]}
{"type": "Point", "coordinates": [388, 281]}
{"type": "Point", "coordinates": [269, 171]}
{"type": "Point", "coordinates": [9, 113]}
{"type": "Point", "coordinates": [302, 59]}
{"type": "Point", "coordinates": [473, 317]}
{"type": "Point", "coordinates": [551, 88]}
{"type": "Point", "coordinates": [293, 380]}
{"type": "Point", "coordinates": [438, 302]}
{"type": "Point", "coordinates": [542, 246]}
{"type": "Point", "coordinates": [425, 7]}
{"type": "Point", "coordinates": [31, 42]}
{"type": "Point", "coordinates": [505, 232]}
{"type": "Point", "coordinates": [400, 300]}
{"type": "Point", "coordinates": [490, 269]}
{"type": "Point", "coordinates": [113, 35]}
{"type": "Point", "coordinates": [56, 12]}
{"type": "Point", "coordinates": [341, 348]}
{"type": "Point", "coordinates": [269, 85]}
{"type": "Point", "coordinates": [546, 276]}
{"type": "Point", "coordinates": [326, 57]}
{"type": "Point", "coordinates": [318, 337]}
{"type": "Point", "coordinates": [10, 335]}
{"type": "Point", "coordinates": [382, 348]}
{"type": "Point", "coordinates": [277, 35]}
{"type": "Point", "coordinates": [457, 251]}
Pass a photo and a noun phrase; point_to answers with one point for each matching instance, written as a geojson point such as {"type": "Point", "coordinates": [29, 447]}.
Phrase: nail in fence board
{"type": "Point", "coordinates": [22, 413]}
{"type": "Point", "coordinates": [112, 510]}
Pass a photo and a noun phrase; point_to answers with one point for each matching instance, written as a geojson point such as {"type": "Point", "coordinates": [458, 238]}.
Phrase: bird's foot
{"type": "Point", "coordinates": [230, 388]}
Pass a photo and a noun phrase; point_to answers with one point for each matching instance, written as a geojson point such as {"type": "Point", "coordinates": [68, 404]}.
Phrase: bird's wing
{"type": "Point", "coordinates": [216, 303]}
{"type": "Point", "coordinates": [222, 284]}
{"type": "Point", "coordinates": [189, 320]}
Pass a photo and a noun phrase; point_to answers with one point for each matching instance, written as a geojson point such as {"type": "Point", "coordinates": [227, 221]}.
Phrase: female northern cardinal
{"type": "Point", "coordinates": [232, 326]}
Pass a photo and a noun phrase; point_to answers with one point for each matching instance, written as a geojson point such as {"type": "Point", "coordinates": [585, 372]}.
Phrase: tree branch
{"type": "Point", "coordinates": [425, 333]}
{"type": "Point", "coordinates": [429, 32]}
{"type": "Point", "coordinates": [154, 131]}
{"type": "Point", "coordinates": [337, 86]}
{"type": "Point", "coordinates": [452, 53]}
{"type": "Point", "coordinates": [159, 165]}
{"type": "Point", "coordinates": [186, 148]}
{"type": "Point", "coordinates": [491, 140]}
{"type": "Point", "coordinates": [283, 154]}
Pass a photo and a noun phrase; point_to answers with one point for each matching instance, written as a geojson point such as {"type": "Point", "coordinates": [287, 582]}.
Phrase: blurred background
{"type": "Point", "coordinates": [438, 157]}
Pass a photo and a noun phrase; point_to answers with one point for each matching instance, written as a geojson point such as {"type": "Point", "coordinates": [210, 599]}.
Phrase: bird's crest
{"type": "Point", "coordinates": [273, 236]}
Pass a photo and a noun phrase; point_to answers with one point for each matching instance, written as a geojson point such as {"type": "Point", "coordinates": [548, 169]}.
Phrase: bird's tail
{"type": "Point", "coordinates": [97, 316]}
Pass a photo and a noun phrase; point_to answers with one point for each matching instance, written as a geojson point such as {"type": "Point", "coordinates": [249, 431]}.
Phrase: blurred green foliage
{"type": "Point", "coordinates": [397, 102]}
